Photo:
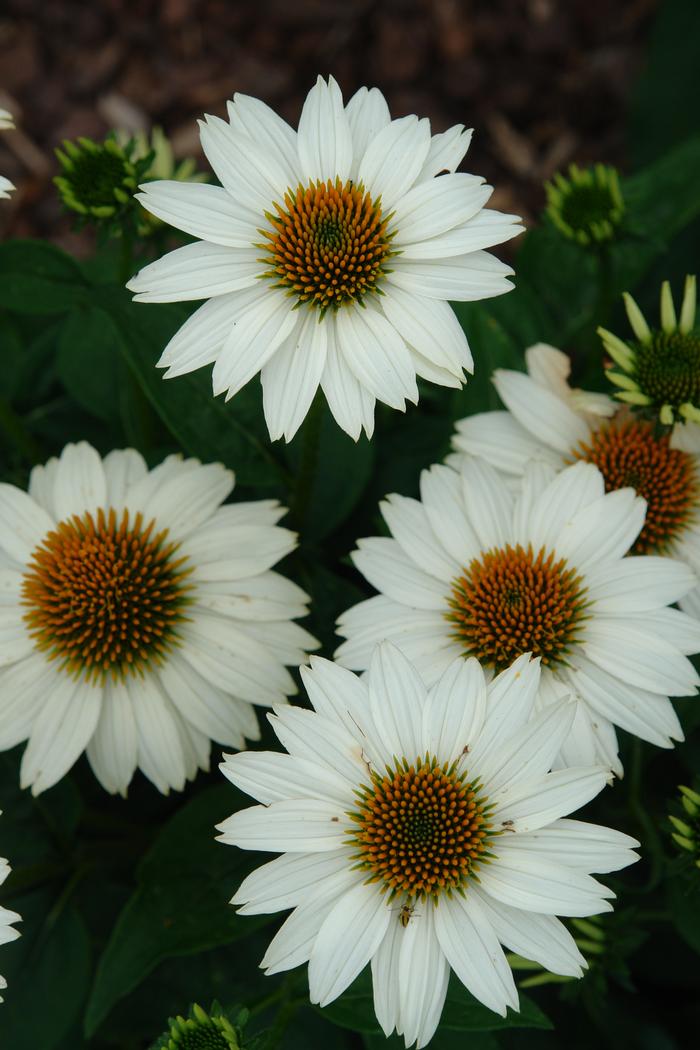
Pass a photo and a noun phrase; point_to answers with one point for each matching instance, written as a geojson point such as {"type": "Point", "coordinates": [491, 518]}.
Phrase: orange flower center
{"type": "Point", "coordinates": [103, 595]}
{"type": "Point", "coordinates": [630, 453]}
{"type": "Point", "coordinates": [420, 828]}
{"type": "Point", "coordinates": [512, 601]}
{"type": "Point", "coordinates": [328, 245]}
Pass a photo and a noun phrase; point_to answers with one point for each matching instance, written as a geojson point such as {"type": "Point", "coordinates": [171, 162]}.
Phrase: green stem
{"type": "Point", "coordinates": [311, 434]}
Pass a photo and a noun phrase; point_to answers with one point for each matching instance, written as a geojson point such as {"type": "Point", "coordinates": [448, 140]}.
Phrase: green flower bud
{"type": "Point", "coordinates": [98, 180]}
{"type": "Point", "coordinates": [200, 1031]}
{"type": "Point", "coordinates": [686, 832]}
{"type": "Point", "coordinates": [587, 206]}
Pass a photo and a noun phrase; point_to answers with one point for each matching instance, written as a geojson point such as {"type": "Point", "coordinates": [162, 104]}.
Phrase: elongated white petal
{"type": "Point", "coordinates": [461, 278]}
{"type": "Point", "coordinates": [367, 113]}
{"type": "Point", "coordinates": [397, 697]}
{"type": "Point", "coordinates": [262, 322]}
{"type": "Point", "coordinates": [423, 987]}
{"type": "Point", "coordinates": [430, 327]}
{"type": "Point", "coordinates": [389, 570]}
{"type": "Point", "coordinates": [346, 942]}
{"type": "Point", "coordinates": [197, 271]}
{"type": "Point", "coordinates": [287, 881]}
{"type": "Point", "coordinates": [527, 807]}
{"type": "Point", "coordinates": [291, 377]}
{"type": "Point", "coordinates": [291, 826]}
{"type": "Point", "coordinates": [207, 212]}
{"type": "Point", "coordinates": [376, 355]}
{"type": "Point", "coordinates": [394, 158]}
{"type": "Point", "coordinates": [526, 881]}
{"type": "Point", "coordinates": [454, 715]}
{"type": "Point", "coordinates": [324, 138]}
{"type": "Point", "coordinates": [350, 402]}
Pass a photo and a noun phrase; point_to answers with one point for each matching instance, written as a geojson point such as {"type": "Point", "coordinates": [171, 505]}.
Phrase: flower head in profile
{"type": "Point", "coordinates": [419, 832]}
{"type": "Point", "coordinates": [141, 618]}
{"type": "Point", "coordinates": [658, 372]}
{"type": "Point", "coordinates": [6, 124]}
{"type": "Point", "coordinates": [587, 206]}
{"type": "Point", "coordinates": [482, 568]}
{"type": "Point", "coordinates": [327, 257]}
{"type": "Point", "coordinates": [7, 918]}
{"type": "Point", "coordinates": [547, 420]}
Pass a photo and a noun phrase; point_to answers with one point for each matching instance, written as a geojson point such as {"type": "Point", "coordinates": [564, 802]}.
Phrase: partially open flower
{"type": "Point", "coordinates": [98, 179]}
{"type": "Point", "coordinates": [587, 206]}
{"type": "Point", "coordinates": [200, 1031]}
{"type": "Point", "coordinates": [658, 372]}
{"type": "Point", "coordinates": [419, 831]}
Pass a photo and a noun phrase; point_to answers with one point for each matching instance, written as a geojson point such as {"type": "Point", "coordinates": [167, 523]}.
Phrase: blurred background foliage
{"type": "Point", "coordinates": [126, 920]}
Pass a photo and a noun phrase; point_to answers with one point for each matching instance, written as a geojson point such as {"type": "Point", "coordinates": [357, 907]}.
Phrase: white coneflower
{"type": "Point", "coordinates": [547, 420]}
{"type": "Point", "coordinates": [140, 617]}
{"type": "Point", "coordinates": [478, 570]}
{"type": "Point", "coordinates": [420, 831]}
{"type": "Point", "coordinates": [327, 256]}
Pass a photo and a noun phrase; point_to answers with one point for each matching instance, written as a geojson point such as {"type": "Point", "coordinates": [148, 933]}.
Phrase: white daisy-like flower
{"type": "Point", "coordinates": [549, 421]}
{"type": "Point", "coordinates": [476, 570]}
{"type": "Point", "coordinates": [419, 832]}
{"type": "Point", "coordinates": [6, 123]}
{"type": "Point", "coordinates": [327, 256]}
{"type": "Point", "coordinates": [7, 917]}
{"type": "Point", "coordinates": [140, 618]}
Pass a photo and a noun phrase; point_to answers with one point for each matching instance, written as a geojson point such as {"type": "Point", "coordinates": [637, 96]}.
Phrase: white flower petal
{"type": "Point", "coordinates": [196, 271]}
{"type": "Point", "coordinates": [385, 979]}
{"type": "Point", "coordinates": [423, 976]}
{"type": "Point", "coordinates": [61, 733]}
{"type": "Point", "coordinates": [530, 806]}
{"type": "Point", "coordinates": [454, 714]}
{"type": "Point", "coordinates": [472, 950]}
{"type": "Point", "coordinates": [397, 697]}
{"type": "Point", "coordinates": [291, 377]}
{"type": "Point", "coordinates": [446, 152]}
{"type": "Point", "coordinates": [638, 657]}
{"type": "Point", "coordinates": [26, 686]}
{"type": "Point", "coordinates": [388, 569]}
{"type": "Point", "coordinates": [254, 175]}
{"type": "Point", "coordinates": [575, 844]}
{"type": "Point", "coordinates": [367, 113]}
{"type": "Point", "coordinates": [201, 338]}
{"type": "Point", "coordinates": [434, 207]}
{"type": "Point", "coordinates": [488, 504]}
{"type": "Point", "coordinates": [113, 748]}
{"type": "Point", "coordinates": [461, 278]}
{"type": "Point", "coordinates": [324, 139]}
{"type": "Point", "coordinates": [410, 526]}
{"type": "Point", "coordinates": [350, 402]}
{"type": "Point", "coordinates": [123, 468]}
{"type": "Point", "coordinates": [430, 327]}
{"type": "Point", "coordinates": [528, 753]}
{"type": "Point", "coordinates": [346, 942]}
{"type": "Point", "coordinates": [80, 483]}
{"type": "Point", "coordinates": [207, 212]}
{"type": "Point", "coordinates": [263, 320]}
{"type": "Point", "coordinates": [543, 414]}
{"type": "Point", "coordinates": [441, 492]}
{"type": "Point", "coordinates": [554, 509]}
{"type": "Point", "coordinates": [294, 826]}
{"type": "Point", "coordinates": [324, 741]}
{"type": "Point", "coordinates": [541, 938]}
{"type": "Point", "coordinates": [484, 230]}
{"type": "Point", "coordinates": [498, 438]}
{"type": "Point", "coordinates": [394, 158]}
{"type": "Point", "coordinates": [252, 117]}
{"type": "Point", "coordinates": [287, 881]}
{"type": "Point", "coordinates": [269, 776]}
{"type": "Point", "coordinates": [527, 881]}
{"type": "Point", "coordinates": [160, 749]}
{"type": "Point", "coordinates": [603, 531]}
{"type": "Point", "coordinates": [376, 355]}
{"type": "Point", "coordinates": [638, 584]}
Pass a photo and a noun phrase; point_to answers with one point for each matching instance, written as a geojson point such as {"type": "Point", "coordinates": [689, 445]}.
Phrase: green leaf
{"type": "Point", "coordinates": [47, 971]}
{"type": "Point", "coordinates": [442, 1040]}
{"type": "Point", "coordinates": [492, 347]}
{"type": "Point", "coordinates": [180, 906]}
{"type": "Point", "coordinates": [462, 1012]}
{"type": "Point", "coordinates": [203, 425]}
{"type": "Point", "coordinates": [38, 278]}
{"type": "Point", "coordinates": [88, 361]}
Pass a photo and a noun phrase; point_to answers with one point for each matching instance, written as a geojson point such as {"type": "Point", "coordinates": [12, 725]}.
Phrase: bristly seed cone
{"type": "Point", "coordinates": [105, 596]}
{"type": "Point", "coordinates": [421, 828]}
{"type": "Point", "coordinates": [329, 243]}
{"type": "Point", "coordinates": [512, 601]}
{"type": "Point", "coordinates": [632, 454]}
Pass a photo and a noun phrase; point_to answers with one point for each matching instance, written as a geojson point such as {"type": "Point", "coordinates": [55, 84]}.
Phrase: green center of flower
{"type": "Point", "coordinates": [630, 453]}
{"type": "Point", "coordinates": [586, 206]}
{"type": "Point", "coordinates": [420, 828]}
{"type": "Point", "coordinates": [105, 595]}
{"type": "Point", "coordinates": [667, 368]}
{"type": "Point", "coordinates": [512, 601]}
{"type": "Point", "coordinates": [207, 1036]}
{"type": "Point", "coordinates": [328, 245]}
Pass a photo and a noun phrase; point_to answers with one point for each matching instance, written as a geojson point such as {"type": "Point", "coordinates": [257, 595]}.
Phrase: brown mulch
{"type": "Point", "coordinates": [543, 82]}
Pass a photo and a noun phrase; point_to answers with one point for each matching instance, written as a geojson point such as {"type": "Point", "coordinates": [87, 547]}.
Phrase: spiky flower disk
{"type": "Point", "coordinates": [140, 617]}
{"type": "Point", "coordinates": [200, 1031]}
{"type": "Point", "coordinates": [6, 123]}
{"type": "Point", "coordinates": [547, 420]}
{"type": "Point", "coordinates": [7, 918]}
{"type": "Point", "coordinates": [419, 832]}
{"type": "Point", "coordinates": [587, 206]}
{"type": "Point", "coordinates": [98, 179]}
{"type": "Point", "coordinates": [327, 256]}
{"type": "Point", "coordinates": [489, 568]}
{"type": "Point", "coordinates": [658, 372]}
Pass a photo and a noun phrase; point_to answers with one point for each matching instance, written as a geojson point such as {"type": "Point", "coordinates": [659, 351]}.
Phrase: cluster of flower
{"type": "Point", "coordinates": [524, 606]}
